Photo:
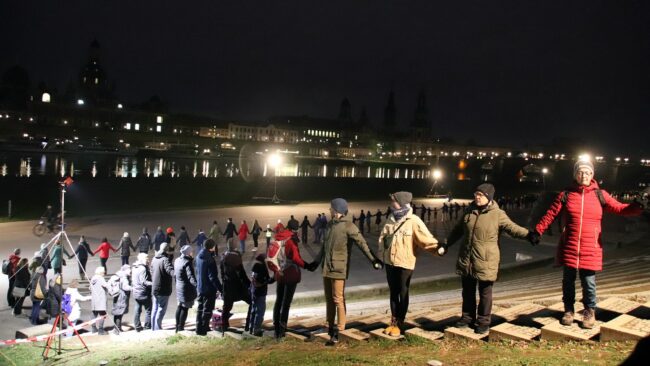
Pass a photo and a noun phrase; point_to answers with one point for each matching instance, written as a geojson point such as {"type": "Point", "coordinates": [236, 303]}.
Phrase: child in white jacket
{"type": "Point", "coordinates": [75, 297]}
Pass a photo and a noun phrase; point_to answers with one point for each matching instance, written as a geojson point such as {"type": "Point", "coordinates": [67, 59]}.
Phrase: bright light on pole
{"type": "Point", "coordinates": [275, 160]}
{"type": "Point", "coordinates": [544, 172]}
{"type": "Point", "coordinates": [437, 174]}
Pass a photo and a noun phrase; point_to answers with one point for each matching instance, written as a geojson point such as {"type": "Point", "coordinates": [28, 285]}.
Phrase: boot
{"type": "Point", "coordinates": [277, 332]}
{"type": "Point", "coordinates": [116, 327]}
{"type": "Point", "coordinates": [100, 326]}
{"type": "Point", "coordinates": [396, 331]}
{"type": "Point", "coordinates": [393, 323]}
{"type": "Point", "coordinates": [334, 336]}
{"type": "Point", "coordinates": [567, 318]}
{"type": "Point", "coordinates": [93, 328]}
{"type": "Point", "coordinates": [588, 318]}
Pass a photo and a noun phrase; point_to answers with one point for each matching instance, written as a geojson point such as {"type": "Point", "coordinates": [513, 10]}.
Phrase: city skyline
{"type": "Point", "coordinates": [513, 74]}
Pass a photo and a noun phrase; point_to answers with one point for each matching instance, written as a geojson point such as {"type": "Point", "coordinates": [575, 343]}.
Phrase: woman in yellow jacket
{"type": "Point", "coordinates": [402, 234]}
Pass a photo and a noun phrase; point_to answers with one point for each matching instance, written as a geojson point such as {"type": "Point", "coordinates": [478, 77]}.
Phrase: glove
{"type": "Point", "coordinates": [311, 267]}
{"type": "Point", "coordinates": [442, 249]}
{"type": "Point", "coordinates": [533, 237]}
{"type": "Point", "coordinates": [377, 264]}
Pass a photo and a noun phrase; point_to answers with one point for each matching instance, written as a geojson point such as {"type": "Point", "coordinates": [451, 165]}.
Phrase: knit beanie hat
{"type": "Point", "coordinates": [186, 250]}
{"type": "Point", "coordinates": [402, 198]}
{"type": "Point", "coordinates": [209, 244]}
{"type": "Point", "coordinates": [487, 189]}
{"type": "Point", "coordinates": [340, 205]}
{"type": "Point", "coordinates": [583, 164]}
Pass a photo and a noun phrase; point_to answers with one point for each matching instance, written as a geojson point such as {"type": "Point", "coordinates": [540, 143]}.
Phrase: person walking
{"type": "Point", "coordinates": [75, 298]}
{"type": "Point", "coordinates": [401, 237]}
{"type": "Point", "coordinates": [13, 260]}
{"type": "Point", "coordinates": [103, 251]}
{"type": "Point", "coordinates": [235, 285]}
{"type": "Point", "coordinates": [125, 248]}
{"type": "Point", "coordinates": [304, 229]}
{"type": "Point", "coordinates": [207, 286]}
{"type": "Point", "coordinates": [334, 258]}
{"type": "Point", "coordinates": [268, 233]}
{"type": "Point", "coordinates": [185, 285]}
{"type": "Point", "coordinates": [215, 231]}
{"type": "Point", "coordinates": [121, 301]}
{"type": "Point", "coordinates": [368, 220]}
{"type": "Point", "coordinates": [242, 235]}
{"type": "Point", "coordinates": [162, 272]}
{"type": "Point", "coordinates": [580, 250]}
{"type": "Point", "coordinates": [56, 256]}
{"type": "Point", "coordinates": [144, 243]}
{"type": "Point", "coordinates": [288, 277]}
{"type": "Point", "coordinates": [378, 216]}
{"type": "Point", "coordinates": [158, 239]}
{"type": "Point", "coordinates": [142, 292]}
{"type": "Point", "coordinates": [260, 281]}
{"type": "Point", "coordinates": [256, 231]}
{"type": "Point", "coordinates": [362, 221]}
{"type": "Point", "coordinates": [479, 255]}
{"type": "Point", "coordinates": [199, 240]}
{"type": "Point", "coordinates": [170, 239]}
{"type": "Point", "coordinates": [38, 286]}
{"type": "Point", "coordinates": [229, 233]}
{"type": "Point", "coordinates": [21, 285]}
{"type": "Point", "coordinates": [98, 287]}
{"type": "Point", "coordinates": [183, 238]}
{"type": "Point", "coordinates": [81, 252]}
{"type": "Point", "coordinates": [316, 227]}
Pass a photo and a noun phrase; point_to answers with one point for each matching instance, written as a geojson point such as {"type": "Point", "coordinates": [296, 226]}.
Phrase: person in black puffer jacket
{"type": "Point", "coordinates": [185, 285]}
{"type": "Point", "coordinates": [161, 284]}
{"type": "Point", "coordinates": [141, 276]}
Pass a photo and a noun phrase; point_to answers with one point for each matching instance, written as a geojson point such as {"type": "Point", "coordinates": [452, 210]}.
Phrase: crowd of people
{"type": "Point", "coordinates": [201, 275]}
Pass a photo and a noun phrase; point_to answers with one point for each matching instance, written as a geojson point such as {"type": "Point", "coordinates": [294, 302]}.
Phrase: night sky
{"type": "Point", "coordinates": [501, 72]}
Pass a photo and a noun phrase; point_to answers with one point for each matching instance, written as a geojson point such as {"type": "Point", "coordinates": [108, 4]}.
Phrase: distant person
{"type": "Point", "coordinates": [428, 214]}
{"type": "Point", "coordinates": [278, 227]}
{"type": "Point", "coordinates": [260, 281]}
{"type": "Point", "coordinates": [21, 285]}
{"type": "Point", "coordinates": [229, 233]}
{"type": "Point", "coordinates": [158, 239]}
{"type": "Point", "coordinates": [378, 219]}
{"type": "Point", "coordinates": [323, 227]}
{"type": "Point", "coordinates": [144, 243]}
{"type": "Point", "coordinates": [215, 231]}
{"type": "Point", "coordinates": [183, 238]}
{"type": "Point", "coordinates": [293, 223]}
{"type": "Point", "coordinates": [185, 285]}
{"type": "Point", "coordinates": [235, 285]}
{"type": "Point", "coordinates": [103, 251]}
{"type": "Point", "coordinates": [479, 255]}
{"type": "Point", "coordinates": [162, 272]}
{"type": "Point", "coordinates": [423, 210]}
{"type": "Point", "coordinates": [142, 292]}
{"type": "Point", "coordinates": [75, 297]}
{"type": "Point", "coordinates": [13, 260]}
{"type": "Point", "coordinates": [98, 287]}
{"type": "Point", "coordinates": [56, 256]}
{"type": "Point", "coordinates": [199, 240]}
{"type": "Point", "coordinates": [402, 236]}
{"type": "Point", "coordinates": [268, 232]}
{"type": "Point", "coordinates": [121, 301]}
{"type": "Point", "coordinates": [368, 219]}
{"type": "Point", "coordinates": [242, 235]}
{"type": "Point", "coordinates": [256, 231]}
{"type": "Point", "coordinates": [304, 229]}
{"type": "Point", "coordinates": [125, 247]}
{"type": "Point", "coordinates": [580, 250]}
{"type": "Point", "coordinates": [170, 239]}
{"type": "Point", "coordinates": [50, 217]}
{"type": "Point", "coordinates": [362, 221]}
{"type": "Point", "coordinates": [316, 227]}
{"type": "Point", "coordinates": [334, 257]}
{"type": "Point", "coordinates": [207, 286]}
{"type": "Point", "coordinates": [38, 291]}
{"type": "Point", "coordinates": [81, 252]}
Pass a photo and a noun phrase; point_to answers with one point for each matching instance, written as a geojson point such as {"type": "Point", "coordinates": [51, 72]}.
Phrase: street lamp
{"type": "Point", "coordinates": [544, 172]}
{"type": "Point", "coordinates": [437, 174]}
{"type": "Point", "coordinates": [275, 160]}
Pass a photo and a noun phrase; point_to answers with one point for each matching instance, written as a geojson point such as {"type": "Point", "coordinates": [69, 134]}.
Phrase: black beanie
{"type": "Point", "coordinates": [487, 189]}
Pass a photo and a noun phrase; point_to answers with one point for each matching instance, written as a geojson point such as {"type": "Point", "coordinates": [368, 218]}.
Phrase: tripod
{"type": "Point", "coordinates": [58, 321]}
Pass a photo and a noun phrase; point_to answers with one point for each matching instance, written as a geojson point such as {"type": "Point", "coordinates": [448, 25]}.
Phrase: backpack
{"type": "Point", "coordinates": [276, 259]}
{"type": "Point", "coordinates": [6, 266]}
{"type": "Point", "coordinates": [66, 304]}
{"type": "Point", "coordinates": [114, 286]}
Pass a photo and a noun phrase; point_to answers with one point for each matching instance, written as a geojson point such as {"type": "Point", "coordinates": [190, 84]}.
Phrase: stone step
{"type": "Point", "coordinates": [379, 334]}
{"type": "Point", "coordinates": [33, 331]}
{"type": "Point", "coordinates": [618, 305]}
{"type": "Point", "coordinates": [517, 311]}
{"type": "Point", "coordinates": [353, 335]}
{"type": "Point", "coordinates": [625, 328]}
{"type": "Point", "coordinates": [426, 334]}
{"type": "Point", "coordinates": [558, 332]}
{"type": "Point", "coordinates": [509, 331]}
{"type": "Point", "coordinates": [464, 333]}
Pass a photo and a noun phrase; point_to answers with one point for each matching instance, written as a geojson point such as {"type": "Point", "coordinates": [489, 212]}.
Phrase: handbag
{"type": "Point", "coordinates": [18, 292]}
{"type": "Point", "coordinates": [388, 239]}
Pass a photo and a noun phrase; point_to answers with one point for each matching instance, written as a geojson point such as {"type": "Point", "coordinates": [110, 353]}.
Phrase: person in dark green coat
{"type": "Point", "coordinates": [57, 257]}
{"type": "Point", "coordinates": [479, 255]}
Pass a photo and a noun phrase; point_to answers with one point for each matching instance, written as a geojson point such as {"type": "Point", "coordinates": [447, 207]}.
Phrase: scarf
{"type": "Point", "coordinates": [401, 212]}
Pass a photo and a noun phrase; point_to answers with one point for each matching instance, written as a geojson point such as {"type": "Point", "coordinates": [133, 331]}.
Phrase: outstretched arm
{"type": "Point", "coordinates": [618, 208]}
{"type": "Point", "coordinates": [550, 215]}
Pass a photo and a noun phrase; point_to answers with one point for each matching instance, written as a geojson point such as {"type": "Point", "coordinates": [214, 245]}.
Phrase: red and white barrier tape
{"type": "Point", "coordinates": [46, 336]}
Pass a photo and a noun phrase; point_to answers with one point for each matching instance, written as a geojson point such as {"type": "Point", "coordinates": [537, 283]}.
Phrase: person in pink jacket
{"type": "Point", "coordinates": [243, 234]}
{"type": "Point", "coordinates": [580, 250]}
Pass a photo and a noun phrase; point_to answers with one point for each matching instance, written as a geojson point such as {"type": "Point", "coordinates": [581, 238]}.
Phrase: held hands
{"type": "Point", "coordinates": [533, 237]}
{"type": "Point", "coordinates": [442, 248]}
{"type": "Point", "coordinates": [377, 264]}
{"type": "Point", "coordinates": [311, 267]}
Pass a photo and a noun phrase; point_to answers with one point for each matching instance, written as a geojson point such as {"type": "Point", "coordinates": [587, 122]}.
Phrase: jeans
{"type": "Point", "coordinates": [258, 305]}
{"type": "Point", "coordinates": [125, 259]}
{"type": "Point", "coordinates": [335, 302]}
{"type": "Point", "coordinates": [36, 312]}
{"type": "Point", "coordinates": [255, 238]}
{"type": "Point", "coordinates": [304, 236]}
{"type": "Point", "coordinates": [204, 313]}
{"type": "Point", "coordinates": [283, 299]}
{"type": "Point", "coordinates": [469, 301]}
{"type": "Point", "coordinates": [10, 297]}
{"type": "Point", "coordinates": [139, 304]}
{"type": "Point", "coordinates": [242, 246]}
{"type": "Point", "coordinates": [399, 280]}
{"type": "Point", "coordinates": [181, 317]}
{"type": "Point", "coordinates": [588, 282]}
{"type": "Point", "coordinates": [158, 311]}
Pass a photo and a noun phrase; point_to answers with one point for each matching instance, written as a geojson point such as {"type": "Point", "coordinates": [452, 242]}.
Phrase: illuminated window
{"type": "Point", "coordinates": [127, 125]}
{"type": "Point", "coordinates": [46, 98]}
{"type": "Point", "coordinates": [158, 128]}
{"type": "Point", "coordinates": [96, 81]}
{"type": "Point", "coordinates": [159, 119]}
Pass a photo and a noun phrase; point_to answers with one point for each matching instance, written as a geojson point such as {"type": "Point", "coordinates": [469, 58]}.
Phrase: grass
{"type": "Point", "coordinates": [266, 351]}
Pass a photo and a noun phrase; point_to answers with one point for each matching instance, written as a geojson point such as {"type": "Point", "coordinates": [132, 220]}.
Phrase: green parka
{"type": "Point", "coordinates": [334, 255]}
{"type": "Point", "coordinates": [479, 255]}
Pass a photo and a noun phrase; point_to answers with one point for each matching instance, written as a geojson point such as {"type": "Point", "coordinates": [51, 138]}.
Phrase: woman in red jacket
{"type": "Point", "coordinates": [103, 252]}
{"type": "Point", "coordinates": [580, 249]}
{"type": "Point", "coordinates": [243, 234]}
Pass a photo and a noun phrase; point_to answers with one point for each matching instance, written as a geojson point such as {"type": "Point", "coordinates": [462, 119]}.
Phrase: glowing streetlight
{"type": "Point", "coordinates": [275, 160]}
{"type": "Point", "coordinates": [544, 172]}
{"type": "Point", "coordinates": [437, 174]}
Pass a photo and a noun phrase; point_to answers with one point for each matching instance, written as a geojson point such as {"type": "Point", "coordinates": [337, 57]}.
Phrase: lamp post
{"type": "Point", "coordinates": [275, 160]}
{"type": "Point", "coordinates": [437, 174]}
{"type": "Point", "coordinates": [544, 172]}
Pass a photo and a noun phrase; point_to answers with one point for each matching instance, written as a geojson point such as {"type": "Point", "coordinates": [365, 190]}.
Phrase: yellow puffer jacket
{"type": "Point", "coordinates": [403, 248]}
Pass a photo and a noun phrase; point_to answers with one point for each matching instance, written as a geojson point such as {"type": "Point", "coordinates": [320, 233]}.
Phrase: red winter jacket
{"type": "Point", "coordinates": [580, 244]}
{"type": "Point", "coordinates": [13, 260]}
{"type": "Point", "coordinates": [243, 232]}
{"type": "Point", "coordinates": [291, 274]}
{"type": "Point", "coordinates": [103, 250]}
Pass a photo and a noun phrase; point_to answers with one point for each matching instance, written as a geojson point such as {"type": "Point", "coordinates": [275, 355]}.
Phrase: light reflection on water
{"type": "Point", "coordinates": [98, 166]}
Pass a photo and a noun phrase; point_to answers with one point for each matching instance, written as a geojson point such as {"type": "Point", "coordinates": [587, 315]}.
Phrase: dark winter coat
{"type": "Point", "coordinates": [54, 296]}
{"type": "Point", "coordinates": [22, 277]}
{"type": "Point", "coordinates": [158, 239]}
{"type": "Point", "coordinates": [141, 281]}
{"type": "Point", "coordinates": [230, 231]}
{"type": "Point", "coordinates": [144, 243]}
{"type": "Point", "coordinates": [57, 256]}
{"type": "Point", "coordinates": [260, 279]}
{"type": "Point", "coordinates": [200, 239]}
{"type": "Point", "coordinates": [235, 280]}
{"type": "Point", "coordinates": [121, 301]}
{"type": "Point", "coordinates": [38, 277]}
{"type": "Point", "coordinates": [183, 239]}
{"type": "Point", "coordinates": [82, 251]}
{"type": "Point", "coordinates": [207, 275]}
{"type": "Point", "coordinates": [125, 246]}
{"type": "Point", "coordinates": [185, 280]}
{"type": "Point", "coordinates": [162, 272]}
